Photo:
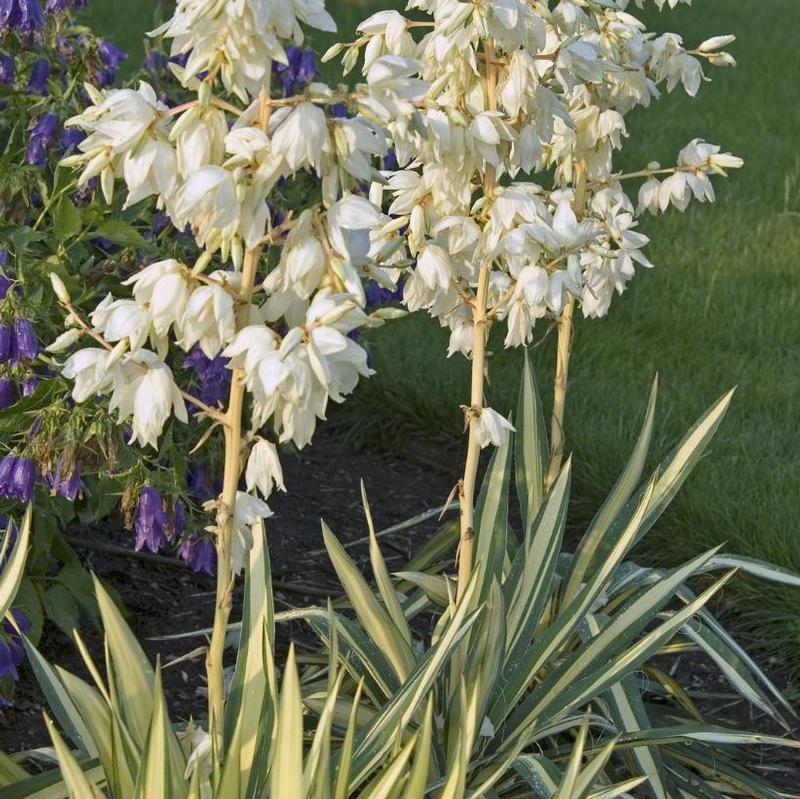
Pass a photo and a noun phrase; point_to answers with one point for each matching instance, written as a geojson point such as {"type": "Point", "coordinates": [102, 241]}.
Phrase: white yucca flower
{"type": "Point", "coordinates": [145, 391]}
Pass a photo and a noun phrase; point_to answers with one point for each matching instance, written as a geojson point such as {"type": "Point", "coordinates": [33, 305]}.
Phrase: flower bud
{"type": "Point", "coordinates": [60, 289]}
{"type": "Point", "coordinates": [202, 263]}
{"type": "Point", "coordinates": [116, 355]}
{"type": "Point", "coordinates": [204, 94]}
{"type": "Point", "coordinates": [332, 52]}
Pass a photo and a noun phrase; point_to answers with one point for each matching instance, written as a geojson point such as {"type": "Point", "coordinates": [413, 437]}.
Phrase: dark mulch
{"type": "Point", "coordinates": [161, 598]}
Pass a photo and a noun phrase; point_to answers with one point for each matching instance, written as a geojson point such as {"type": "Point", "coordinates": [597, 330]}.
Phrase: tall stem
{"type": "Point", "coordinates": [232, 474]}
{"type": "Point", "coordinates": [563, 356]}
{"type": "Point", "coordinates": [467, 489]}
{"type": "Point", "coordinates": [480, 334]}
{"type": "Point", "coordinates": [566, 329]}
{"type": "Point", "coordinates": [230, 487]}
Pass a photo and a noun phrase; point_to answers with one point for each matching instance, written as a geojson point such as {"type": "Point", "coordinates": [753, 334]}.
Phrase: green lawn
{"type": "Point", "coordinates": [721, 308]}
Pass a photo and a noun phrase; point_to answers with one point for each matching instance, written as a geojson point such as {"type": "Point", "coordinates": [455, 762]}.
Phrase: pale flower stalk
{"type": "Point", "coordinates": [517, 91]}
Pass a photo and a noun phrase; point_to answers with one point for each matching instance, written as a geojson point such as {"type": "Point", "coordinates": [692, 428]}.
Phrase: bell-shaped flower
{"type": "Point", "coordinates": [118, 320]}
{"type": "Point", "coordinates": [128, 135]}
{"type": "Point", "coordinates": [256, 350]}
{"type": "Point", "coordinates": [302, 267]}
{"type": "Point", "coordinates": [247, 512]}
{"type": "Point", "coordinates": [210, 316]}
{"type": "Point", "coordinates": [145, 389]}
{"type": "Point", "coordinates": [224, 208]}
{"type": "Point", "coordinates": [164, 289]}
{"type": "Point", "coordinates": [300, 137]}
{"type": "Point", "coordinates": [199, 136]}
{"type": "Point", "coordinates": [492, 428]}
{"type": "Point", "coordinates": [264, 469]}
{"type": "Point", "coordinates": [90, 371]}
{"type": "Point", "coordinates": [435, 267]}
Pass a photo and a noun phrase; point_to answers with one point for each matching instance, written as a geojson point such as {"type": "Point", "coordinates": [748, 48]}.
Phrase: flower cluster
{"type": "Point", "coordinates": [284, 328]}
{"type": "Point", "coordinates": [512, 89]}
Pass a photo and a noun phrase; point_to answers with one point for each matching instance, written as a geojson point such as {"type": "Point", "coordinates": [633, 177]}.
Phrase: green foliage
{"type": "Point", "coordinates": [531, 685]}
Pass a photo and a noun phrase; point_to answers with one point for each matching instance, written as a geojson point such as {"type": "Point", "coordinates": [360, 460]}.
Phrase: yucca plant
{"type": "Point", "coordinates": [535, 683]}
{"type": "Point", "coordinates": [122, 743]}
{"type": "Point", "coordinates": [550, 636]}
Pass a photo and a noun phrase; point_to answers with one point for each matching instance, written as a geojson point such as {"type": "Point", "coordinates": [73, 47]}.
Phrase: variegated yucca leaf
{"type": "Point", "coordinates": [554, 633]}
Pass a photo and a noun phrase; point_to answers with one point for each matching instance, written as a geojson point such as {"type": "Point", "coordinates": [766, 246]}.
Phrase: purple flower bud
{"type": "Point", "coordinates": [181, 59]}
{"type": "Point", "coordinates": [13, 531]}
{"type": "Point", "coordinates": [199, 553]}
{"type": "Point", "coordinates": [70, 488]}
{"type": "Point", "coordinates": [29, 386]}
{"type": "Point", "coordinates": [196, 481]}
{"type": "Point", "coordinates": [40, 74]}
{"type": "Point", "coordinates": [390, 161]}
{"type": "Point", "coordinates": [70, 139]}
{"type": "Point", "coordinates": [378, 296]}
{"type": "Point", "coordinates": [307, 68]}
{"type": "Point", "coordinates": [300, 70]}
{"type": "Point", "coordinates": [151, 525]}
{"type": "Point", "coordinates": [36, 427]}
{"type": "Point", "coordinates": [84, 194]}
{"type": "Point", "coordinates": [12, 651]}
{"type": "Point", "coordinates": [7, 69]}
{"type": "Point", "coordinates": [40, 139]}
{"type": "Point", "coordinates": [24, 344]}
{"type": "Point", "coordinates": [160, 222]}
{"type": "Point", "coordinates": [213, 375]}
{"type": "Point", "coordinates": [60, 6]}
{"type": "Point", "coordinates": [111, 57]}
{"type": "Point", "coordinates": [106, 245]}
{"type": "Point", "coordinates": [5, 343]}
{"type": "Point", "coordinates": [178, 527]}
{"type": "Point", "coordinates": [339, 111]}
{"type": "Point", "coordinates": [7, 465]}
{"type": "Point", "coordinates": [154, 61]}
{"type": "Point", "coordinates": [23, 16]}
{"type": "Point", "coordinates": [24, 479]}
{"type": "Point", "coordinates": [68, 485]}
{"type": "Point", "coordinates": [7, 393]}
{"type": "Point", "coordinates": [5, 284]}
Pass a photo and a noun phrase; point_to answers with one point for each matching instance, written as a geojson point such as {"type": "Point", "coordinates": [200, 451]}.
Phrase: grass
{"type": "Point", "coordinates": [722, 307]}
{"type": "Point", "coordinates": [126, 24]}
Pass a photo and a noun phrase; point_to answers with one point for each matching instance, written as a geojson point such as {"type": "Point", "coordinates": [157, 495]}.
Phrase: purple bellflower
{"type": "Point", "coordinates": [24, 345]}
{"type": "Point", "coordinates": [214, 377]}
{"type": "Point", "coordinates": [12, 650]}
{"type": "Point", "coordinates": [70, 139]}
{"type": "Point", "coordinates": [299, 72]}
{"type": "Point", "coordinates": [110, 57]}
{"type": "Point", "coordinates": [7, 393]}
{"type": "Point", "coordinates": [199, 553]}
{"type": "Point", "coordinates": [40, 138]}
{"type": "Point", "coordinates": [40, 74]}
{"type": "Point", "coordinates": [8, 69]}
{"type": "Point", "coordinates": [17, 478]}
{"type": "Point", "coordinates": [151, 525]}
{"type": "Point", "coordinates": [68, 485]}
{"type": "Point", "coordinates": [23, 16]}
